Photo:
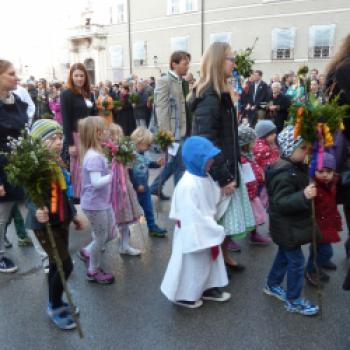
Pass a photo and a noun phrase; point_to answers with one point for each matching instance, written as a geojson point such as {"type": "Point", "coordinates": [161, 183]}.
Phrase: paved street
{"type": "Point", "coordinates": [133, 314]}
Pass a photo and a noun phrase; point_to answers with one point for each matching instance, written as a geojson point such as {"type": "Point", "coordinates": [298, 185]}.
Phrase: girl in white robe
{"type": "Point", "coordinates": [196, 269]}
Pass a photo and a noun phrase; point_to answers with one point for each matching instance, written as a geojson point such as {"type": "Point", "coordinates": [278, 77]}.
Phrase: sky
{"type": "Point", "coordinates": [33, 33]}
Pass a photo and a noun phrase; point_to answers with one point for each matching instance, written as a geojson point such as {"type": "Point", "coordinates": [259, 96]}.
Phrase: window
{"type": "Point", "coordinates": [179, 43]}
{"type": "Point", "coordinates": [116, 55]}
{"type": "Point", "coordinates": [321, 41]}
{"type": "Point", "coordinates": [140, 53]}
{"type": "Point", "coordinates": [220, 37]}
{"type": "Point", "coordinates": [283, 43]}
{"type": "Point", "coordinates": [181, 6]}
{"type": "Point", "coordinates": [120, 11]}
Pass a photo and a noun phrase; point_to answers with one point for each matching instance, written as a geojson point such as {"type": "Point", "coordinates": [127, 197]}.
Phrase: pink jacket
{"type": "Point", "coordinates": [265, 154]}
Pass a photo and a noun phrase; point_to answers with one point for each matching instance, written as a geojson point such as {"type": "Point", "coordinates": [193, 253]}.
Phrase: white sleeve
{"type": "Point", "coordinates": [98, 181]}
{"type": "Point", "coordinates": [23, 94]}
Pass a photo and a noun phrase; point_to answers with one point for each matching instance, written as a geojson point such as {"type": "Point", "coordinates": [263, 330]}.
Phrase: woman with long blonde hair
{"type": "Point", "coordinates": [214, 117]}
{"type": "Point", "coordinates": [96, 201]}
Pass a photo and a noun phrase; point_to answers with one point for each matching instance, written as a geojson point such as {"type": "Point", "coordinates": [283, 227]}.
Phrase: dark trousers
{"type": "Point", "coordinates": [290, 262]}
{"type": "Point", "coordinates": [324, 254]}
{"type": "Point", "coordinates": [61, 236]}
{"type": "Point", "coordinates": [145, 201]}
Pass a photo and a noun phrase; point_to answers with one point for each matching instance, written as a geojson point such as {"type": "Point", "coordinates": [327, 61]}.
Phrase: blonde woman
{"type": "Point", "coordinates": [96, 188]}
{"type": "Point", "coordinates": [214, 117]}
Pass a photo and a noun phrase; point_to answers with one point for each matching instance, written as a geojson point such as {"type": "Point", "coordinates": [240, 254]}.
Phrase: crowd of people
{"type": "Point", "coordinates": [234, 162]}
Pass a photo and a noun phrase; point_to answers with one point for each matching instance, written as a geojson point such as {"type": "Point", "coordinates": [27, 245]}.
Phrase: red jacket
{"type": "Point", "coordinates": [327, 215]}
{"type": "Point", "coordinates": [253, 186]}
{"type": "Point", "coordinates": [264, 153]}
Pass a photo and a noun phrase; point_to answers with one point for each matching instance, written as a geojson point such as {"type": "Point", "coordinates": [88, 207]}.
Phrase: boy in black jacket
{"type": "Point", "coordinates": [291, 223]}
{"type": "Point", "coordinates": [58, 311]}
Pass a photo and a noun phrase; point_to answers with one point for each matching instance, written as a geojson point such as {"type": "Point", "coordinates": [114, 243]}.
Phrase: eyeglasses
{"type": "Point", "coordinates": [232, 59]}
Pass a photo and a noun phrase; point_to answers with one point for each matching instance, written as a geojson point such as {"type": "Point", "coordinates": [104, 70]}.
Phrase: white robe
{"type": "Point", "coordinates": [191, 269]}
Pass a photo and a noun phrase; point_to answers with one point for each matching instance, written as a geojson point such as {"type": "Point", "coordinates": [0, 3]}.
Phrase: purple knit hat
{"type": "Point", "coordinates": [329, 161]}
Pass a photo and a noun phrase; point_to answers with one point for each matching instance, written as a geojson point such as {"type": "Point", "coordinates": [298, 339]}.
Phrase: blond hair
{"type": "Point", "coordinates": [212, 69]}
{"type": "Point", "coordinates": [142, 135]}
{"type": "Point", "coordinates": [115, 132]}
{"type": "Point", "coordinates": [89, 129]}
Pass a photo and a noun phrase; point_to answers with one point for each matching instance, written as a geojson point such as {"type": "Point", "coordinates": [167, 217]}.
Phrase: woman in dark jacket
{"type": "Point", "coordinates": [77, 102]}
{"type": "Point", "coordinates": [125, 116]}
{"type": "Point", "coordinates": [214, 117]}
{"type": "Point", "coordinates": [42, 108]}
{"type": "Point", "coordinates": [338, 84]}
{"type": "Point", "coordinates": [13, 117]}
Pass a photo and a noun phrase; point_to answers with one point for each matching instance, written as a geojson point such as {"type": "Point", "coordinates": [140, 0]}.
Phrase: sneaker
{"type": "Point", "coordinates": [83, 255]}
{"type": "Point", "coordinates": [61, 318]}
{"type": "Point", "coordinates": [7, 265]}
{"type": "Point", "coordinates": [100, 277]}
{"type": "Point", "coordinates": [215, 294]}
{"type": "Point", "coordinates": [25, 242]}
{"type": "Point", "coordinates": [65, 307]}
{"type": "Point", "coordinates": [277, 292]}
{"type": "Point", "coordinates": [329, 265]}
{"type": "Point", "coordinates": [156, 231]}
{"type": "Point", "coordinates": [301, 306]}
{"type": "Point", "coordinates": [258, 239]}
{"type": "Point", "coordinates": [312, 278]}
{"type": "Point", "coordinates": [46, 265]}
{"type": "Point", "coordinates": [7, 243]}
{"type": "Point", "coordinates": [129, 251]}
{"type": "Point", "coordinates": [233, 246]}
{"type": "Point", "coordinates": [189, 304]}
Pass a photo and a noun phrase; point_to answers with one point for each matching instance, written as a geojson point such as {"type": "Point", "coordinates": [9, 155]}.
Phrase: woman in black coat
{"type": "Point", "coordinates": [77, 102]}
{"type": "Point", "coordinates": [13, 117]}
{"type": "Point", "coordinates": [125, 115]}
{"type": "Point", "coordinates": [338, 84]}
{"type": "Point", "coordinates": [214, 117]}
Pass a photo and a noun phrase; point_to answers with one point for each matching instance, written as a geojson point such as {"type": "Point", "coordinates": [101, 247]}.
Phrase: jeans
{"type": "Point", "coordinates": [145, 201]}
{"type": "Point", "coordinates": [17, 217]}
{"type": "Point", "coordinates": [324, 254]}
{"type": "Point", "coordinates": [173, 167]}
{"type": "Point", "coordinates": [290, 262]}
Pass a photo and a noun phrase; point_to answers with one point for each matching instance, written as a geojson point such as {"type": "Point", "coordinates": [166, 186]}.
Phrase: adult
{"type": "Point", "coordinates": [172, 115]}
{"type": "Point", "coordinates": [42, 101]}
{"type": "Point", "coordinates": [105, 105]}
{"type": "Point", "coordinates": [125, 114]}
{"type": "Point", "coordinates": [141, 109]}
{"type": "Point", "coordinates": [316, 92]}
{"type": "Point", "coordinates": [24, 95]}
{"type": "Point", "coordinates": [258, 96]}
{"type": "Point", "coordinates": [338, 84]}
{"type": "Point", "coordinates": [55, 101]}
{"type": "Point", "coordinates": [77, 102]}
{"type": "Point", "coordinates": [278, 107]}
{"type": "Point", "coordinates": [13, 117]}
{"type": "Point", "coordinates": [287, 81]}
{"type": "Point", "coordinates": [214, 117]}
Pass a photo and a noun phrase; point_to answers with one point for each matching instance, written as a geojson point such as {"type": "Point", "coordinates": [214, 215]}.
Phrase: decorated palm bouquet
{"type": "Point", "coordinates": [164, 139]}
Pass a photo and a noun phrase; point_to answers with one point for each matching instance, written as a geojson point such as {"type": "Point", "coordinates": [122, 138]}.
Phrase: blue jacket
{"type": "Point", "coordinates": [139, 174]}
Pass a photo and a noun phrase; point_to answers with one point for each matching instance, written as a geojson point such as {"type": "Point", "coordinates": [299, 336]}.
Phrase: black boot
{"type": "Point", "coordinates": [346, 284]}
{"type": "Point", "coordinates": [347, 247]}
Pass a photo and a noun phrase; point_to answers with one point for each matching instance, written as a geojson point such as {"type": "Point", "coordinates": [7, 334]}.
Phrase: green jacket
{"type": "Point", "coordinates": [291, 223]}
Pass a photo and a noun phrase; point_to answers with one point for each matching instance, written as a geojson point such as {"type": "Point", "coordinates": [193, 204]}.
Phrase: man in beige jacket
{"type": "Point", "coordinates": [172, 114]}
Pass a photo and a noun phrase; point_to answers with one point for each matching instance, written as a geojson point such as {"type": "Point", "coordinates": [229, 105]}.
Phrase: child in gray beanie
{"type": "Point", "coordinates": [291, 223]}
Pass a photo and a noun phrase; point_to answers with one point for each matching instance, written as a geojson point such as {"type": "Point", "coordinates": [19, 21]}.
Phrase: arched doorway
{"type": "Point", "coordinates": [90, 67]}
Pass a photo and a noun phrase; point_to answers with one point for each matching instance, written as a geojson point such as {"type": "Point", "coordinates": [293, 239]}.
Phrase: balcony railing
{"type": "Point", "coordinates": [87, 31]}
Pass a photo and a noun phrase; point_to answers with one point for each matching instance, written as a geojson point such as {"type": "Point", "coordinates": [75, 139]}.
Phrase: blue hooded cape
{"type": "Point", "coordinates": [196, 151]}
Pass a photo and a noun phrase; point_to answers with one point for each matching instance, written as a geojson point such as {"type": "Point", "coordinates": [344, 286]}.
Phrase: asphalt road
{"type": "Point", "coordinates": [133, 314]}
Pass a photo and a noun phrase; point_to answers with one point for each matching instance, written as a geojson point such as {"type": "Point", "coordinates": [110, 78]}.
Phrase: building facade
{"type": "Point", "coordinates": [137, 36]}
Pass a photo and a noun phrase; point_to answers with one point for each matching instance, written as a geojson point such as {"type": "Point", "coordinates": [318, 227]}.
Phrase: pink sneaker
{"type": "Point", "coordinates": [258, 239]}
{"type": "Point", "coordinates": [101, 277]}
{"type": "Point", "coordinates": [83, 255]}
{"type": "Point", "coordinates": [233, 246]}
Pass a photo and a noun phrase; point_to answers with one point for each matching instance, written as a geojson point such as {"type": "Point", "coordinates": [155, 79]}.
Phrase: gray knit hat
{"type": "Point", "coordinates": [264, 127]}
{"type": "Point", "coordinates": [287, 142]}
{"type": "Point", "coordinates": [246, 135]}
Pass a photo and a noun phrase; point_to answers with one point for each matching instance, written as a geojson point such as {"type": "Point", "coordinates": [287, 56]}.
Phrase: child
{"type": "Point", "coordinates": [59, 312]}
{"type": "Point", "coordinates": [246, 139]}
{"type": "Point", "coordinates": [328, 220]}
{"type": "Point", "coordinates": [196, 269]}
{"type": "Point", "coordinates": [265, 150]}
{"type": "Point", "coordinates": [291, 223]}
{"type": "Point", "coordinates": [128, 210]}
{"type": "Point", "coordinates": [143, 139]}
{"type": "Point", "coordinates": [96, 196]}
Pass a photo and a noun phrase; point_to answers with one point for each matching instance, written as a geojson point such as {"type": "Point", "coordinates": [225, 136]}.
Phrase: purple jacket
{"type": "Point", "coordinates": [55, 106]}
